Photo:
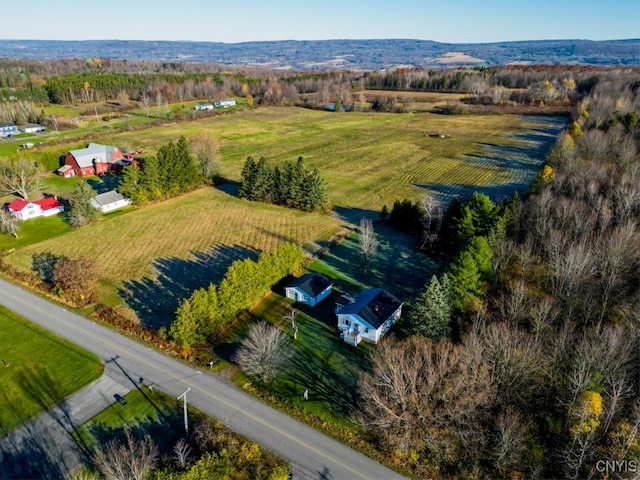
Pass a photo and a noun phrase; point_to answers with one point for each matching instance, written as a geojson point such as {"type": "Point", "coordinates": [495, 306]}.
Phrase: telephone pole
{"type": "Point", "coordinates": [186, 418]}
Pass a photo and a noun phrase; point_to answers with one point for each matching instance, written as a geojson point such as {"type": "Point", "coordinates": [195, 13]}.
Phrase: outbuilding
{"type": "Point", "coordinates": [309, 289]}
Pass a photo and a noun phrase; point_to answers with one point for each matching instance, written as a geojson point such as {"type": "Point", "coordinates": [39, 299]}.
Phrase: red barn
{"type": "Point", "coordinates": [96, 159]}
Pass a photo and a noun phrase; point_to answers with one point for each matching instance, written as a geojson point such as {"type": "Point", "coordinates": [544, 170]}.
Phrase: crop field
{"type": "Point", "coordinates": [39, 370]}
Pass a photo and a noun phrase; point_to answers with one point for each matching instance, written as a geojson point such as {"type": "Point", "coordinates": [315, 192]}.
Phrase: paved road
{"type": "Point", "coordinates": [311, 454]}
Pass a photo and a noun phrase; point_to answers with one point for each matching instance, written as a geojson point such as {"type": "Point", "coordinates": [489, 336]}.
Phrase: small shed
{"type": "Point", "coordinates": [31, 128]}
{"type": "Point", "coordinates": [204, 106]}
{"type": "Point", "coordinates": [225, 103]}
{"type": "Point", "coordinates": [309, 289]}
{"type": "Point", "coordinates": [109, 201]}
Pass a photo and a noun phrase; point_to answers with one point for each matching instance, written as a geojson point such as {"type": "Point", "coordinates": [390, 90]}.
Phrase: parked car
{"type": "Point", "coordinates": [120, 399]}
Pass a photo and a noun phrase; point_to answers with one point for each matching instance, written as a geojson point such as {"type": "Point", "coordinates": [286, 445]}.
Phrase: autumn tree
{"type": "Point", "coordinates": [129, 460]}
{"type": "Point", "coordinates": [207, 154]}
{"type": "Point", "coordinates": [264, 352]}
{"type": "Point", "coordinates": [21, 176]}
{"type": "Point", "coordinates": [75, 277]}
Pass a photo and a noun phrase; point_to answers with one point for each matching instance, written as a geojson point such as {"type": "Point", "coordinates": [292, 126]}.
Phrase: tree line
{"type": "Point", "coordinates": [521, 358]}
{"type": "Point", "coordinates": [207, 310]}
{"type": "Point", "coordinates": [294, 186]}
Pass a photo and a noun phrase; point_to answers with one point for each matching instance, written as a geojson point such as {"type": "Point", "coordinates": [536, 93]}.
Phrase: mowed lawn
{"type": "Point", "coordinates": [42, 370]}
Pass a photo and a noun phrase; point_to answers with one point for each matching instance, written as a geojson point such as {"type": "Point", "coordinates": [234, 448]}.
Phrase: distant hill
{"type": "Point", "coordinates": [337, 54]}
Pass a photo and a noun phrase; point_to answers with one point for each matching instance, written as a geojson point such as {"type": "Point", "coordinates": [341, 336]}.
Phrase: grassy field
{"type": "Point", "coordinates": [42, 370]}
{"type": "Point", "coordinates": [370, 159]}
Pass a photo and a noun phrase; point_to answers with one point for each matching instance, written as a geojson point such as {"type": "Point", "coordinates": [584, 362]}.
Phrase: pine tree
{"type": "Point", "coordinates": [184, 329]}
{"type": "Point", "coordinates": [315, 195]}
{"type": "Point", "coordinates": [431, 314]}
{"type": "Point", "coordinates": [466, 283]}
{"type": "Point", "coordinates": [263, 182]}
{"type": "Point", "coordinates": [130, 185]}
{"type": "Point", "coordinates": [81, 210]}
{"type": "Point", "coordinates": [247, 178]}
{"type": "Point", "coordinates": [151, 179]}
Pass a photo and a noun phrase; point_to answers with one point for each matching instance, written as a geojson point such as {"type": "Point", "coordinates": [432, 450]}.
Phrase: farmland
{"type": "Point", "coordinates": [367, 160]}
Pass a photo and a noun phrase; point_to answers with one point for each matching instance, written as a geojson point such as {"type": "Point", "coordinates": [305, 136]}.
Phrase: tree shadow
{"type": "Point", "coordinates": [105, 183]}
{"type": "Point", "coordinates": [230, 187]}
{"type": "Point", "coordinates": [352, 215]}
{"type": "Point", "coordinates": [156, 300]}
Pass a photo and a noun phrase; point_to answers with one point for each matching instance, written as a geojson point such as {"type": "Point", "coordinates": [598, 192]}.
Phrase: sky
{"type": "Point", "coordinates": [450, 21]}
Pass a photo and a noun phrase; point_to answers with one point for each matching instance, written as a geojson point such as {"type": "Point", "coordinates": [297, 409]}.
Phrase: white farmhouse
{"type": "Point", "coordinates": [369, 316]}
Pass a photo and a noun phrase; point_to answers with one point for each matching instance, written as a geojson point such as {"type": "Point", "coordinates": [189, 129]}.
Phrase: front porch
{"type": "Point", "coordinates": [351, 337]}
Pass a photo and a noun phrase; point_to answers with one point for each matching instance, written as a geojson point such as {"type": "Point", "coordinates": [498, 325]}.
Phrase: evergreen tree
{"type": "Point", "coordinates": [263, 182]}
{"type": "Point", "coordinates": [184, 329]}
{"type": "Point", "coordinates": [482, 254]}
{"type": "Point", "coordinates": [131, 186]}
{"type": "Point", "coordinates": [278, 194]}
{"type": "Point", "coordinates": [466, 281]}
{"type": "Point", "coordinates": [295, 178]}
{"type": "Point", "coordinates": [189, 173]}
{"type": "Point", "coordinates": [315, 195]}
{"type": "Point", "coordinates": [81, 210]}
{"type": "Point", "coordinates": [431, 313]}
{"type": "Point", "coordinates": [247, 178]}
{"type": "Point", "coordinates": [151, 179]}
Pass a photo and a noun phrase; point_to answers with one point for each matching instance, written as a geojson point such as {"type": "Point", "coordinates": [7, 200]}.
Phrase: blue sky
{"type": "Point", "coordinates": [454, 21]}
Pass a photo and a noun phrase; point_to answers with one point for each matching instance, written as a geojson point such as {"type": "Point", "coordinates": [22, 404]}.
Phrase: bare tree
{"type": "Point", "coordinates": [145, 104]}
{"type": "Point", "coordinates": [22, 176]}
{"type": "Point", "coordinates": [181, 452]}
{"type": "Point", "coordinates": [9, 224]}
{"type": "Point", "coordinates": [129, 460]}
{"type": "Point", "coordinates": [207, 153]}
{"type": "Point", "coordinates": [367, 242]}
{"type": "Point", "coordinates": [432, 219]}
{"type": "Point", "coordinates": [510, 440]}
{"type": "Point", "coordinates": [264, 352]}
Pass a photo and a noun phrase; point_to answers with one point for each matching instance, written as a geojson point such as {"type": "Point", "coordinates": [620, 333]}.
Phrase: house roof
{"type": "Point", "coordinates": [313, 284]}
{"type": "Point", "coordinates": [94, 151]}
{"type": "Point", "coordinates": [373, 305]}
{"type": "Point", "coordinates": [108, 197]}
{"type": "Point", "coordinates": [45, 204]}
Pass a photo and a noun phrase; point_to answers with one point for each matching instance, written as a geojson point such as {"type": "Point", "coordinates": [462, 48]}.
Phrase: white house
{"type": "Point", "coordinates": [106, 202]}
{"type": "Point", "coordinates": [225, 103]}
{"type": "Point", "coordinates": [369, 316]}
{"type": "Point", "coordinates": [25, 209]}
{"type": "Point", "coordinates": [204, 106]}
{"type": "Point", "coordinates": [309, 289]}
{"type": "Point", "coordinates": [8, 129]}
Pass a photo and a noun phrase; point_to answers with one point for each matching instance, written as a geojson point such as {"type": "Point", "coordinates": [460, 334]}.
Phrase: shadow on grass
{"type": "Point", "coordinates": [105, 183]}
{"type": "Point", "coordinates": [36, 450]}
{"type": "Point", "coordinates": [156, 300]}
{"type": "Point", "coordinates": [354, 215]}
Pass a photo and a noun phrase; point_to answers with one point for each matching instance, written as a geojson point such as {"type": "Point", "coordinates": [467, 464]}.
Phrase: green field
{"type": "Point", "coordinates": [42, 370]}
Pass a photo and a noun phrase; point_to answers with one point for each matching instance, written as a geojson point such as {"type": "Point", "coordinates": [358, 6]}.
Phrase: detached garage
{"type": "Point", "coordinates": [106, 202]}
{"type": "Point", "coordinates": [309, 289]}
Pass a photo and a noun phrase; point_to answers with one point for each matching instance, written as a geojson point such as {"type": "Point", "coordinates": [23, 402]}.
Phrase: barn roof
{"type": "Point", "coordinates": [94, 151]}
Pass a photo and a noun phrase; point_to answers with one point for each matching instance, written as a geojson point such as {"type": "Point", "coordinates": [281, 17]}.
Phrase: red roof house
{"type": "Point", "coordinates": [25, 209]}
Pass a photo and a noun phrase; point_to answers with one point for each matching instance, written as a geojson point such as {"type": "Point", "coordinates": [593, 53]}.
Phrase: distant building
{"type": "Point", "coordinates": [31, 128]}
{"type": "Point", "coordinates": [8, 129]}
{"type": "Point", "coordinates": [204, 106]}
{"type": "Point", "coordinates": [225, 103]}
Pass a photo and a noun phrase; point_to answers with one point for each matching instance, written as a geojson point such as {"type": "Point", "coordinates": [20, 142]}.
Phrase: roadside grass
{"type": "Point", "coordinates": [146, 413]}
{"type": "Point", "coordinates": [43, 370]}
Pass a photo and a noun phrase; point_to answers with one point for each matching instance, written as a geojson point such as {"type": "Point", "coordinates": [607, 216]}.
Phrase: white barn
{"type": "Point", "coordinates": [109, 201]}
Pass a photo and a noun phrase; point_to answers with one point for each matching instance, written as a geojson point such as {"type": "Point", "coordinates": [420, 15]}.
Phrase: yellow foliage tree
{"type": "Point", "coordinates": [245, 89]}
{"type": "Point", "coordinates": [547, 175]}
{"type": "Point", "coordinates": [575, 130]}
{"type": "Point", "coordinates": [586, 413]}
{"type": "Point", "coordinates": [250, 100]}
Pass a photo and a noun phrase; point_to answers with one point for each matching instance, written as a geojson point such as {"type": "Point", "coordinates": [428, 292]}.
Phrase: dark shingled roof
{"type": "Point", "coordinates": [313, 284]}
{"type": "Point", "coordinates": [373, 305]}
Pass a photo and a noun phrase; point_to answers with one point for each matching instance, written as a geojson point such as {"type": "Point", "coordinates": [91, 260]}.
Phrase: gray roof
{"type": "Point", "coordinates": [313, 284]}
{"type": "Point", "coordinates": [108, 197]}
{"type": "Point", "coordinates": [94, 151]}
{"type": "Point", "coordinates": [373, 305]}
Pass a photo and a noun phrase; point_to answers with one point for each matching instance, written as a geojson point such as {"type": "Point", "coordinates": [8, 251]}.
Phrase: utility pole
{"type": "Point", "coordinates": [186, 419]}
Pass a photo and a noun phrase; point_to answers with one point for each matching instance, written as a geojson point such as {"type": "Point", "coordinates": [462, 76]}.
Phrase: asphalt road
{"type": "Point", "coordinates": [311, 454]}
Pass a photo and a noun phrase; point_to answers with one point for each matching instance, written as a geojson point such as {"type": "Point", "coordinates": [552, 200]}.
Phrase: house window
{"type": "Point", "coordinates": [366, 329]}
{"type": "Point", "coordinates": [346, 322]}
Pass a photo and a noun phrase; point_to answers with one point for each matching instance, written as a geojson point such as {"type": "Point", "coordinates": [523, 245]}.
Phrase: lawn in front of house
{"type": "Point", "coordinates": [41, 370]}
